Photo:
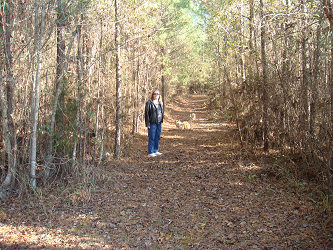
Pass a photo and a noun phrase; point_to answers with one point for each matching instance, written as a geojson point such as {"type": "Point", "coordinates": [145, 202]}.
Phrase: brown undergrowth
{"type": "Point", "coordinates": [204, 192]}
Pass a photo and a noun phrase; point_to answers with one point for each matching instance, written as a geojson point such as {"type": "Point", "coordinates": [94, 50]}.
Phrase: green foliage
{"type": "Point", "coordinates": [183, 40]}
{"type": "Point", "coordinates": [252, 176]}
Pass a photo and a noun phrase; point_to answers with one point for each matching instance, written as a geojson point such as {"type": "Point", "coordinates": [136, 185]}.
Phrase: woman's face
{"type": "Point", "coordinates": [156, 95]}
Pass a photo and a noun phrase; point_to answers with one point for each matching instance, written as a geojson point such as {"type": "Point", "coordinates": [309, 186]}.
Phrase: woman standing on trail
{"type": "Point", "coordinates": [154, 118]}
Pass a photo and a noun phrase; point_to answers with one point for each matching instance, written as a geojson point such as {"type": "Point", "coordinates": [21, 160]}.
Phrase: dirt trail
{"type": "Point", "coordinates": [202, 193]}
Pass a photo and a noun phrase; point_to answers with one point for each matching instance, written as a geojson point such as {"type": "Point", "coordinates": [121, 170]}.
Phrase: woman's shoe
{"type": "Point", "coordinates": [157, 153]}
{"type": "Point", "coordinates": [152, 155]}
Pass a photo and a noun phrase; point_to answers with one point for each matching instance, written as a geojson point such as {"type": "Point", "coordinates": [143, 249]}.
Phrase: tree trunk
{"type": "Point", "coordinates": [251, 3]}
{"type": "Point", "coordinates": [235, 106]}
{"type": "Point", "coordinates": [252, 62]}
{"type": "Point", "coordinates": [328, 11]}
{"type": "Point", "coordinates": [330, 164]}
{"type": "Point", "coordinates": [99, 143]}
{"type": "Point", "coordinates": [79, 68]}
{"type": "Point", "coordinates": [39, 33]}
{"type": "Point", "coordinates": [329, 14]}
{"type": "Point", "coordinates": [101, 100]}
{"type": "Point", "coordinates": [163, 77]}
{"type": "Point", "coordinates": [314, 84]}
{"type": "Point", "coordinates": [219, 66]}
{"type": "Point", "coordinates": [118, 83]}
{"type": "Point", "coordinates": [304, 81]}
{"type": "Point", "coordinates": [134, 82]}
{"type": "Point", "coordinates": [243, 69]}
{"type": "Point", "coordinates": [264, 76]}
{"type": "Point", "coordinates": [49, 157]}
{"type": "Point", "coordinates": [146, 86]}
{"type": "Point", "coordinates": [6, 136]}
{"type": "Point", "coordinates": [284, 80]}
{"type": "Point", "coordinates": [7, 98]}
{"type": "Point", "coordinates": [137, 111]}
{"type": "Point", "coordinates": [60, 77]}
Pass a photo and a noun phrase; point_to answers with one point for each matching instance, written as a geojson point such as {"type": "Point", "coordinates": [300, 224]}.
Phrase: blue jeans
{"type": "Point", "coordinates": [154, 136]}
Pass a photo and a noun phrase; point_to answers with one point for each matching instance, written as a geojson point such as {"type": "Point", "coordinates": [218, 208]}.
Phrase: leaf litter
{"type": "Point", "coordinates": [204, 192]}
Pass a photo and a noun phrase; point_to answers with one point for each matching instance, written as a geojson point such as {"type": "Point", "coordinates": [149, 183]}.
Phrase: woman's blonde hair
{"type": "Point", "coordinates": [159, 96]}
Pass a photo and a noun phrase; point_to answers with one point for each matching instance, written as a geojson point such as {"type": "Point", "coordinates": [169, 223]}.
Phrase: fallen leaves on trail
{"type": "Point", "coordinates": [203, 192]}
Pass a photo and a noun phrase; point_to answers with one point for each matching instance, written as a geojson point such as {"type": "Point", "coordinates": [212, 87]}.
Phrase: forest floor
{"type": "Point", "coordinates": [204, 192]}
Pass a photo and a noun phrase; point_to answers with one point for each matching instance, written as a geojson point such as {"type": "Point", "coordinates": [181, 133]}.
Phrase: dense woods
{"type": "Point", "coordinates": [273, 63]}
{"type": "Point", "coordinates": [74, 79]}
{"type": "Point", "coordinates": [75, 76]}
